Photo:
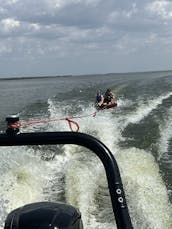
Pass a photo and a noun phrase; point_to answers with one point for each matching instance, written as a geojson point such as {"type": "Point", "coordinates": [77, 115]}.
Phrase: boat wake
{"type": "Point", "coordinates": [73, 174]}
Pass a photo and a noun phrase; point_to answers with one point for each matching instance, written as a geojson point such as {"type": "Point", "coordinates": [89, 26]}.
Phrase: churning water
{"type": "Point", "coordinates": [138, 132]}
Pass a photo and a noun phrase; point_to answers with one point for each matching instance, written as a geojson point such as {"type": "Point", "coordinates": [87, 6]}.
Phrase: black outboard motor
{"type": "Point", "coordinates": [44, 215]}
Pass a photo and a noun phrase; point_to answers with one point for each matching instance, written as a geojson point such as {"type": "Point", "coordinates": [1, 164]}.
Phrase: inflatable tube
{"type": "Point", "coordinates": [107, 106]}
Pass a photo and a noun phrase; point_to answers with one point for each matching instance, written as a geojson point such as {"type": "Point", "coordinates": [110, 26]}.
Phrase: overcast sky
{"type": "Point", "coordinates": [57, 37]}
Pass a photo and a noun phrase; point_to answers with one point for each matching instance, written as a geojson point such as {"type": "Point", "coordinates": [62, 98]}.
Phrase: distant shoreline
{"type": "Point", "coordinates": [32, 77]}
{"type": "Point", "coordinates": [79, 75]}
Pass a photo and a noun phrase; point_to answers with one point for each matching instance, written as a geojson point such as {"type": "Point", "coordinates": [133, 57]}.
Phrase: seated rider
{"type": "Point", "coordinates": [109, 97]}
{"type": "Point", "coordinates": [99, 98]}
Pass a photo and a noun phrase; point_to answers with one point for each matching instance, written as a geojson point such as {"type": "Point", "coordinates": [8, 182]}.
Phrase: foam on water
{"type": "Point", "coordinates": [26, 178]}
{"type": "Point", "coordinates": [20, 183]}
{"type": "Point", "coordinates": [144, 109]}
{"type": "Point", "coordinates": [166, 134]}
{"type": "Point", "coordinates": [146, 193]}
{"type": "Point", "coordinates": [81, 182]}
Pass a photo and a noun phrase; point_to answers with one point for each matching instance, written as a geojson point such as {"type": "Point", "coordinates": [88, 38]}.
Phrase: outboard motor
{"type": "Point", "coordinates": [44, 215]}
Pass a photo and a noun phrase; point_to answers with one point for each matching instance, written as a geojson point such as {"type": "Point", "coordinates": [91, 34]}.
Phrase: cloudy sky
{"type": "Point", "coordinates": [57, 37]}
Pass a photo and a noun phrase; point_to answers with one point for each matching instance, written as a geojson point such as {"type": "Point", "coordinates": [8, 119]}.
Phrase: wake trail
{"type": "Point", "coordinates": [144, 110]}
{"type": "Point", "coordinates": [165, 134]}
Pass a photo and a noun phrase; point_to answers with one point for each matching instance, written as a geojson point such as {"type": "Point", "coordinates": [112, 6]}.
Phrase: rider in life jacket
{"type": "Point", "coordinates": [99, 98]}
{"type": "Point", "coordinates": [109, 97]}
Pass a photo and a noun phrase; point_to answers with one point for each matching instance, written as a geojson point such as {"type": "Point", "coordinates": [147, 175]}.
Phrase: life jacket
{"type": "Point", "coordinates": [98, 98]}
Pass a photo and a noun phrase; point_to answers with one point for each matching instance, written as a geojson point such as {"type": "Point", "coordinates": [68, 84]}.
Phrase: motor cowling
{"type": "Point", "coordinates": [44, 215]}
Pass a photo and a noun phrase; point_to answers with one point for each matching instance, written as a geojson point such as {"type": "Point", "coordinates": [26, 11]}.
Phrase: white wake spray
{"type": "Point", "coordinates": [140, 173]}
{"type": "Point", "coordinates": [166, 134]}
{"type": "Point", "coordinates": [22, 180]}
{"type": "Point", "coordinates": [146, 193]}
{"type": "Point", "coordinates": [145, 109]}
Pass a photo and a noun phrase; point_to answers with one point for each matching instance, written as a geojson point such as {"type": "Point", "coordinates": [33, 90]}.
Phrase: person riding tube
{"type": "Point", "coordinates": [109, 97]}
{"type": "Point", "coordinates": [99, 99]}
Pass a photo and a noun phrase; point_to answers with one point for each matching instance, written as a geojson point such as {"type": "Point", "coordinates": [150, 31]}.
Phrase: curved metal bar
{"type": "Point", "coordinates": [116, 190]}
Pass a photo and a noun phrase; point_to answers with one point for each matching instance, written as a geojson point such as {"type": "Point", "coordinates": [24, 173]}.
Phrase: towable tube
{"type": "Point", "coordinates": [107, 106]}
{"type": "Point", "coordinates": [12, 137]}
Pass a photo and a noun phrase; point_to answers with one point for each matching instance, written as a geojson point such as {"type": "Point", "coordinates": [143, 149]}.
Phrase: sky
{"type": "Point", "coordinates": [68, 37]}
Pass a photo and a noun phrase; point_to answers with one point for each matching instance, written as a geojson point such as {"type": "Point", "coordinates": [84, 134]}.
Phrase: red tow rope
{"type": "Point", "coordinates": [14, 125]}
{"type": "Point", "coordinates": [69, 120]}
